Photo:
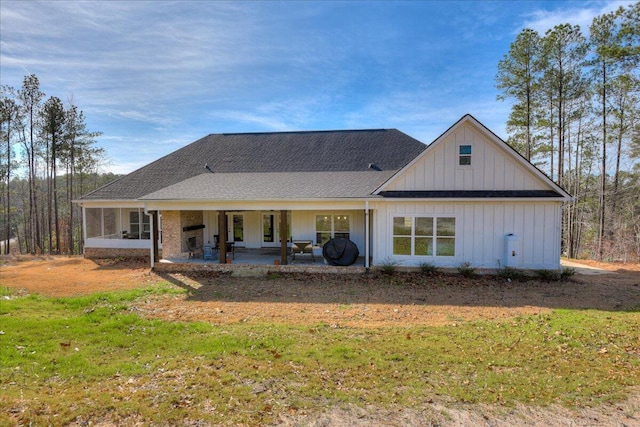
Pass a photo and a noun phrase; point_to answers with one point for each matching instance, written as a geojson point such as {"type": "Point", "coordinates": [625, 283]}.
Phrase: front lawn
{"type": "Point", "coordinates": [93, 358]}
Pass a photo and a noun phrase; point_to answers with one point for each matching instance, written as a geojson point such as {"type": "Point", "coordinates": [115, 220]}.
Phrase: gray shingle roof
{"type": "Point", "coordinates": [322, 151]}
{"type": "Point", "coordinates": [273, 186]}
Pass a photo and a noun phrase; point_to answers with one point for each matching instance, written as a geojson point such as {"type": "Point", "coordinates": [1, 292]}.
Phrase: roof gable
{"type": "Point", "coordinates": [495, 166]}
{"type": "Point", "coordinates": [321, 151]}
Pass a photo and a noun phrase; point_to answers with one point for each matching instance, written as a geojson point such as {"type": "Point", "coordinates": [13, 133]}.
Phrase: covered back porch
{"type": "Point", "coordinates": [259, 236]}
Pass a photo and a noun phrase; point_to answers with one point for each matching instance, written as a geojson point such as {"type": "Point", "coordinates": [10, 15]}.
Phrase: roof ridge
{"type": "Point", "coordinates": [305, 132]}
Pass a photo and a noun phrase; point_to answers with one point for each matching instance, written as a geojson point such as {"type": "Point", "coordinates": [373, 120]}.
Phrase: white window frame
{"type": "Point", "coordinates": [141, 228]}
{"type": "Point", "coordinates": [333, 230]}
{"type": "Point", "coordinates": [434, 236]}
{"type": "Point", "coordinates": [106, 231]}
{"type": "Point", "coordinates": [460, 155]}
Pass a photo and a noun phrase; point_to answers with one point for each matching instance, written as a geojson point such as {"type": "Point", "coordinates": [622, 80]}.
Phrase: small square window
{"type": "Point", "coordinates": [465, 155]}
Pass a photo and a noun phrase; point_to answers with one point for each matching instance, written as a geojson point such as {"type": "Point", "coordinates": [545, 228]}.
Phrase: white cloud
{"type": "Point", "coordinates": [575, 13]}
{"type": "Point", "coordinates": [288, 112]}
{"type": "Point", "coordinates": [158, 75]}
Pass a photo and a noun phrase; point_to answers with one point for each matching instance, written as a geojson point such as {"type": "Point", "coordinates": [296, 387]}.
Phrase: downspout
{"type": "Point", "coordinates": [559, 232]}
{"type": "Point", "coordinates": [366, 235]}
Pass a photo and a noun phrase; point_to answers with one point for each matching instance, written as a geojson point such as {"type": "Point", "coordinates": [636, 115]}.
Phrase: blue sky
{"type": "Point", "coordinates": [155, 76]}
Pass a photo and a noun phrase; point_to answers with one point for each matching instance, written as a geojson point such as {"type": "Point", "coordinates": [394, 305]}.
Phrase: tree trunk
{"type": "Point", "coordinates": [49, 172]}
{"type": "Point", "coordinates": [616, 176]}
{"type": "Point", "coordinates": [603, 174]}
{"type": "Point", "coordinates": [71, 207]}
{"type": "Point", "coordinates": [7, 247]}
{"type": "Point", "coordinates": [55, 208]}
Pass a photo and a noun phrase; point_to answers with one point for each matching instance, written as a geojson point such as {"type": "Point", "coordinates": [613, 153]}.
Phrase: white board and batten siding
{"type": "Point", "coordinates": [480, 232]}
{"type": "Point", "coordinates": [492, 167]}
{"type": "Point", "coordinates": [481, 224]}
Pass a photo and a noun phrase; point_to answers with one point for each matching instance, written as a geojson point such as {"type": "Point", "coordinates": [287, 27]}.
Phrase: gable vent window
{"type": "Point", "coordinates": [464, 155]}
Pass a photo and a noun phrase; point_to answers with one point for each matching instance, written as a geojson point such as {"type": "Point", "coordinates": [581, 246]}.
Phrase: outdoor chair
{"type": "Point", "coordinates": [302, 248]}
{"type": "Point", "coordinates": [207, 252]}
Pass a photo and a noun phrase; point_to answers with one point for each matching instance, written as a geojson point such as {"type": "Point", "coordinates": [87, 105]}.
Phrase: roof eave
{"type": "Point", "coordinates": [476, 199]}
{"type": "Point", "coordinates": [103, 201]}
{"type": "Point", "coordinates": [320, 199]}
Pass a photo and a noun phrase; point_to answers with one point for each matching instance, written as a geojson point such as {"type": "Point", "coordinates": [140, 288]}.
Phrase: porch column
{"type": "Point", "coordinates": [222, 236]}
{"type": "Point", "coordinates": [154, 236]}
{"type": "Point", "coordinates": [367, 237]}
{"type": "Point", "coordinates": [283, 238]}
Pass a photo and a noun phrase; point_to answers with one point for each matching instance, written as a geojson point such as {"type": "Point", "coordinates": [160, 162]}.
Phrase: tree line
{"type": "Point", "coordinates": [575, 114]}
{"type": "Point", "coordinates": [48, 159]}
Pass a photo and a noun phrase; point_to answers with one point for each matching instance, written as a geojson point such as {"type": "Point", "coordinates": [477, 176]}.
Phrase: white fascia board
{"type": "Point", "coordinates": [496, 140]}
{"type": "Point", "coordinates": [472, 199]}
{"type": "Point", "coordinates": [520, 159]}
{"type": "Point", "coordinates": [110, 203]}
{"type": "Point", "coordinates": [310, 204]}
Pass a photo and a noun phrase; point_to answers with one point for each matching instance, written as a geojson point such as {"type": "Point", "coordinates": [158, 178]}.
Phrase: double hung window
{"type": "Point", "coordinates": [139, 225]}
{"type": "Point", "coordinates": [464, 152]}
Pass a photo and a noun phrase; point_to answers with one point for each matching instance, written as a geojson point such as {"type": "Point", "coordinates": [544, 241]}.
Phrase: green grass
{"type": "Point", "coordinates": [93, 358]}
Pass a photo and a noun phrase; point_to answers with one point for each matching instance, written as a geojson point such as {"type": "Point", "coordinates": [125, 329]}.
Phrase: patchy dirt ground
{"type": "Point", "coordinates": [348, 300]}
{"type": "Point", "coordinates": [68, 276]}
{"type": "Point", "coordinates": [405, 299]}
{"type": "Point", "coordinates": [364, 301]}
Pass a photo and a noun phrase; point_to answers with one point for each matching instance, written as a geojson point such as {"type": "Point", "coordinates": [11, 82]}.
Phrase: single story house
{"type": "Point", "coordinates": [466, 197]}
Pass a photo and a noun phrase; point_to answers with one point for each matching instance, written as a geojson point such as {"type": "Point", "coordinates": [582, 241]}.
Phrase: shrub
{"type": "Point", "coordinates": [567, 272]}
{"type": "Point", "coordinates": [388, 266]}
{"type": "Point", "coordinates": [511, 273]}
{"type": "Point", "coordinates": [548, 275]}
{"type": "Point", "coordinates": [428, 268]}
{"type": "Point", "coordinates": [555, 275]}
{"type": "Point", "coordinates": [466, 270]}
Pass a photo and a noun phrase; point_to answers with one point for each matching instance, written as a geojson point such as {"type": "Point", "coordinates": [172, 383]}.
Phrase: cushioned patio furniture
{"type": "Point", "coordinates": [302, 248]}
